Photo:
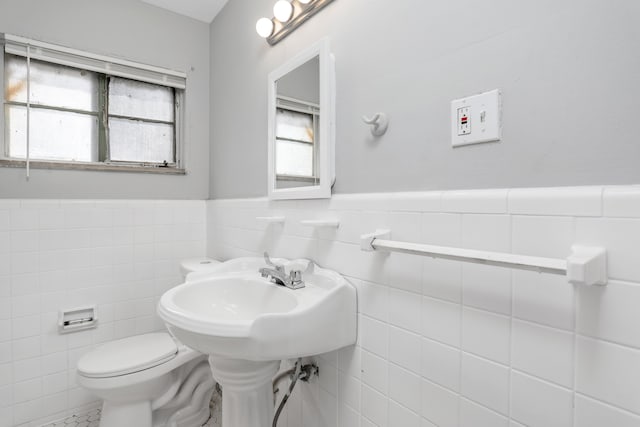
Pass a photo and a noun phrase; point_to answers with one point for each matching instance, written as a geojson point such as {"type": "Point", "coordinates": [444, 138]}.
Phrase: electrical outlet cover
{"type": "Point", "coordinates": [476, 119]}
{"type": "Point", "coordinates": [464, 123]}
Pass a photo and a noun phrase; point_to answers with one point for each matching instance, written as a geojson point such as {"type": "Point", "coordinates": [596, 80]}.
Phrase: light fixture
{"type": "Point", "coordinates": [282, 10]}
{"type": "Point", "coordinates": [264, 27]}
{"type": "Point", "coordinates": [289, 15]}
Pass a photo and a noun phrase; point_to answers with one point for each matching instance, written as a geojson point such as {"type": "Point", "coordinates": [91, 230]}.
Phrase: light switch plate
{"type": "Point", "coordinates": [476, 119]}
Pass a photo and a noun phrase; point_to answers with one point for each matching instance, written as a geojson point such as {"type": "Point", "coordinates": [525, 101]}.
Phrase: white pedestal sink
{"type": "Point", "coordinates": [246, 325]}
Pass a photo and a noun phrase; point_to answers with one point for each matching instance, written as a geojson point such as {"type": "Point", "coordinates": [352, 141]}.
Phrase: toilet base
{"type": "Point", "coordinates": [178, 398]}
{"type": "Point", "coordinates": [189, 406]}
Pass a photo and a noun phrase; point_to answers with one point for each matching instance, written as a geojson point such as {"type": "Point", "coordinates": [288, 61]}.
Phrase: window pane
{"type": "Point", "coordinates": [51, 84]}
{"type": "Point", "coordinates": [294, 158]}
{"type": "Point", "coordinates": [55, 135]}
{"type": "Point", "coordinates": [138, 141]}
{"type": "Point", "coordinates": [140, 100]}
{"type": "Point", "coordinates": [294, 125]}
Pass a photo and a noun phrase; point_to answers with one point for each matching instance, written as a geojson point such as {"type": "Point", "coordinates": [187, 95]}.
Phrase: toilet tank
{"type": "Point", "coordinates": [193, 265]}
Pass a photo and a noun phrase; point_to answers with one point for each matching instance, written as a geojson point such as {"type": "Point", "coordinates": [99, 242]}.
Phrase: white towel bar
{"type": "Point", "coordinates": [586, 265]}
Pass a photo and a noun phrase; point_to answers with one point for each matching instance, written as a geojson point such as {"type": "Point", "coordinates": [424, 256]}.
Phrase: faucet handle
{"type": "Point", "coordinates": [267, 259]}
{"type": "Point", "coordinates": [271, 263]}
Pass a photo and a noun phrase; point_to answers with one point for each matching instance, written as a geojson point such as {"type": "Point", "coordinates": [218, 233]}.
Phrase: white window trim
{"type": "Point", "coordinates": [48, 52]}
{"type": "Point", "coordinates": [35, 49]}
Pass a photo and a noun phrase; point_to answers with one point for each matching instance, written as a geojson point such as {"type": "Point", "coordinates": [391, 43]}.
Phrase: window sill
{"type": "Point", "coordinates": [39, 164]}
{"type": "Point", "coordinates": [303, 178]}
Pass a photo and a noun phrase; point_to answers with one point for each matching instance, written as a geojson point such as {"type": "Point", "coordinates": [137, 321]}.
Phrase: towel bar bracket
{"type": "Point", "coordinates": [587, 266]}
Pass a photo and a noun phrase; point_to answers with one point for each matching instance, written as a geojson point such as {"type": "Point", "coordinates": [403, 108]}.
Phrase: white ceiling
{"type": "Point", "coordinates": [202, 10]}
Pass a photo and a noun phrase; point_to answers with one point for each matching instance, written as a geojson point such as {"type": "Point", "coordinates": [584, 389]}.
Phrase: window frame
{"type": "Point", "coordinates": [124, 69]}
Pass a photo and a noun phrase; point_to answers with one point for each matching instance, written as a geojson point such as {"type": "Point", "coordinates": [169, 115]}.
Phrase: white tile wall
{"type": "Point", "coordinates": [536, 403]}
{"type": "Point", "coordinates": [55, 254]}
{"type": "Point", "coordinates": [445, 344]}
{"type": "Point", "coordinates": [485, 382]}
{"type": "Point", "coordinates": [592, 413]}
{"type": "Point", "coordinates": [542, 351]}
{"type": "Point", "coordinates": [474, 415]}
{"type": "Point", "coordinates": [441, 364]}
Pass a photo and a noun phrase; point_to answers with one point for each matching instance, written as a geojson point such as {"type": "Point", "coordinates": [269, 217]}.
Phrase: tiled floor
{"type": "Point", "coordinates": [92, 418]}
{"type": "Point", "coordinates": [89, 419]}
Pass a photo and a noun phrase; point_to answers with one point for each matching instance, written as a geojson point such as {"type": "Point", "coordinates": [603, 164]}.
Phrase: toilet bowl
{"type": "Point", "coordinates": [148, 380]}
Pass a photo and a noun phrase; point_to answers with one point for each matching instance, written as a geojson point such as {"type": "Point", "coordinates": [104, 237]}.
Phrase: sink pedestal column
{"type": "Point", "coordinates": [247, 391]}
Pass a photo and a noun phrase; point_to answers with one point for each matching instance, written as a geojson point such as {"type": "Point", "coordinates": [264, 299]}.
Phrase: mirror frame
{"type": "Point", "coordinates": [327, 124]}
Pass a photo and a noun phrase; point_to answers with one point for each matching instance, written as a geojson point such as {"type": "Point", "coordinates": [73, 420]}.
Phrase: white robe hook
{"type": "Point", "coordinates": [380, 123]}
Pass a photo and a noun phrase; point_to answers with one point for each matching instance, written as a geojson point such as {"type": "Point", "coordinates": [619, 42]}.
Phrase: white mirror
{"type": "Point", "coordinates": [301, 125]}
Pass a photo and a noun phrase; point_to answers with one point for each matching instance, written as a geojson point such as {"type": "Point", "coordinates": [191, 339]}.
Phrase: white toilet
{"type": "Point", "coordinates": [150, 380]}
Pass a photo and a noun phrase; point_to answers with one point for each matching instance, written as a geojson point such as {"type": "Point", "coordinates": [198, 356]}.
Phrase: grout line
{"type": "Point", "coordinates": [540, 379]}
{"type": "Point", "coordinates": [461, 319]}
{"type": "Point", "coordinates": [608, 341]}
{"type": "Point", "coordinates": [404, 407]}
{"type": "Point", "coordinates": [511, 328]}
{"type": "Point", "coordinates": [460, 344]}
{"type": "Point", "coordinates": [486, 408]}
{"type": "Point", "coordinates": [610, 405]}
{"type": "Point", "coordinates": [575, 356]}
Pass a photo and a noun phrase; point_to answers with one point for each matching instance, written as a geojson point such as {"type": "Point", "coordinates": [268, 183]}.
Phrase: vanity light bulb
{"type": "Point", "coordinates": [305, 1]}
{"type": "Point", "coordinates": [264, 27]}
{"type": "Point", "coordinates": [282, 10]}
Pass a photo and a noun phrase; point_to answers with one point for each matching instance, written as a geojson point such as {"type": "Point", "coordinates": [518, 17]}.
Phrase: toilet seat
{"type": "Point", "coordinates": [128, 355]}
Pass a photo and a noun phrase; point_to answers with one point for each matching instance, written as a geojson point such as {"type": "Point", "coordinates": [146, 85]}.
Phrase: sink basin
{"type": "Point", "coordinates": [233, 312]}
{"type": "Point", "coordinates": [227, 304]}
{"type": "Point", "coordinates": [247, 324]}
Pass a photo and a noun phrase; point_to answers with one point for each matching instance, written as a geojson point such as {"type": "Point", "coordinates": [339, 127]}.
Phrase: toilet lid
{"type": "Point", "coordinates": [128, 355]}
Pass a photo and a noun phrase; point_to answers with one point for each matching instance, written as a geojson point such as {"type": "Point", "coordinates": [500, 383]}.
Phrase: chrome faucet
{"type": "Point", "coordinates": [275, 273]}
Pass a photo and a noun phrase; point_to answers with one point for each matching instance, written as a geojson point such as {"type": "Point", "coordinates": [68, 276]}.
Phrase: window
{"type": "Point", "coordinates": [141, 120]}
{"type": "Point", "coordinates": [63, 108]}
{"type": "Point", "coordinates": [296, 136]}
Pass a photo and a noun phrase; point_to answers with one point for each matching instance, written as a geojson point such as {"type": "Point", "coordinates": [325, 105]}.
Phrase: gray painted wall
{"type": "Point", "coordinates": [131, 30]}
{"type": "Point", "coordinates": [568, 71]}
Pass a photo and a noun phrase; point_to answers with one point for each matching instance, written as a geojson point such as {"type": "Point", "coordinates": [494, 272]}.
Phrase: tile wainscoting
{"type": "Point", "coordinates": [442, 343]}
{"type": "Point", "coordinates": [58, 254]}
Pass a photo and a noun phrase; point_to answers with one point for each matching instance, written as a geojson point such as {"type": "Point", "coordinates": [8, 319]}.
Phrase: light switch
{"type": "Point", "coordinates": [476, 119]}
